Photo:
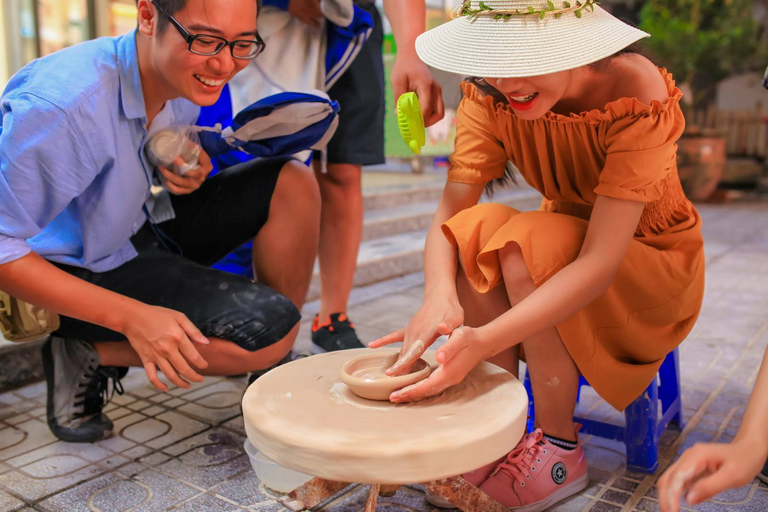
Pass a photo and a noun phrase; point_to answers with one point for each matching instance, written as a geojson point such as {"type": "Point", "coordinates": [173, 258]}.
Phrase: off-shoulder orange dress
{"type": "Point", "coordinates": [626, 151]}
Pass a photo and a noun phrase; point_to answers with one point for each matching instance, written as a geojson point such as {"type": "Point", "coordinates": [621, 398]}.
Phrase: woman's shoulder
{"type": "Point", "coordinates": [635, 76]}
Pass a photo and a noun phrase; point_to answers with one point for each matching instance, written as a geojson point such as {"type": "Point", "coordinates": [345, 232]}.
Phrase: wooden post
{"type": "Point", "coordinates": [373, 498]}
{"type": "Point", "coordinates": [711, 121]}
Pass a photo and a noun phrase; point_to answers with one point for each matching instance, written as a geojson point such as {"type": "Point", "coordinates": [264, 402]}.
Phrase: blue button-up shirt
{"type": "Point", "coordinates": [74, 180]}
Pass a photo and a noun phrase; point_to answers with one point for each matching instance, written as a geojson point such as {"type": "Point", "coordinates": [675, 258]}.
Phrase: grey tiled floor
{"type": "Point", "coordinates": [182, 450]}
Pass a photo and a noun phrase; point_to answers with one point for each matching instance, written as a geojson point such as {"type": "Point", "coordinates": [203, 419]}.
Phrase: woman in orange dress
{"type": "Point", "coordinates": [606, 278]}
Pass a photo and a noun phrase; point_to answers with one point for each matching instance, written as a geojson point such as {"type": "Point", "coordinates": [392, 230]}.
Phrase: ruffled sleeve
{"type": "Point", "coordinates": [641, 148]}
{"type": "Point", "coordinates": [479, 156]}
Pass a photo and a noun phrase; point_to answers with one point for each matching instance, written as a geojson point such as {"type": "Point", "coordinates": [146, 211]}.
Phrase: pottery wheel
{"type": "Point", "coordinates": [303, 417]}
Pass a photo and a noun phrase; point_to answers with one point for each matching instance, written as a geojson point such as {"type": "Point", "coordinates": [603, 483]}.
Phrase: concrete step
{"type": "Point", "coordinates": [394, 238]}
{"type": "Point", "coordinates": [395, 196]}
{"type": "Point", "coordinates": [415, 216]}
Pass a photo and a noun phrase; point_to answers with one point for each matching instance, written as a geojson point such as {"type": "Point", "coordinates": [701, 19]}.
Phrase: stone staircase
{"type": "Point", "coordinates": [396, 222]}
{"type": "Point", "coordinates": [398, 211]}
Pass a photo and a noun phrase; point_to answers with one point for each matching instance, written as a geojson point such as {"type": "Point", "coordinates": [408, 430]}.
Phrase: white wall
{"type": "Point", "coordinates": [742, 92]}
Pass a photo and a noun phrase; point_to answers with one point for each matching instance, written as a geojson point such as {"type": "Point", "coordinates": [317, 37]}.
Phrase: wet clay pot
{"type": "Point", "coordinates": [700, 163]}
{"type": "Point", "coordinates": [365, 375]}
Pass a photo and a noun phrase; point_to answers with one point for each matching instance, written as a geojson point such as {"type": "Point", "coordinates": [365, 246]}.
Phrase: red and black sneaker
{"type": "Point", "coordinates": [337, 334]}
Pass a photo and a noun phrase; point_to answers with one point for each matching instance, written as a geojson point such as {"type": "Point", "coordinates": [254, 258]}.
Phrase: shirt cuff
{"type": "Point", "coordinates": [11, 249]}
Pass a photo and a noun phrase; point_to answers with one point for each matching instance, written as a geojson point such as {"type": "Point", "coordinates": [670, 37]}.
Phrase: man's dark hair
{"type": "Point", "coordinates": [174, 6]}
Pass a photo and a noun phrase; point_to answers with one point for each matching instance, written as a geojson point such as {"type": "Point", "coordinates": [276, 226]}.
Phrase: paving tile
{"type": "Point", "coordinates": [132, 469]}
{"type": "Point", "coordinates": [155, 459]}
{"type": "Point", "coordinates": [146, 392]}
{"type": "Point", "coordinates": [162, 430]}
{"type": "Point", "coordinates": [572, 504]}
{"type": "Point", "coordinates": [40, 480]}
{"type": "Point", "coordinates": [138, 405]}
{"type": "Point", "coordinates": [123, 399]}
{"type": "Point", "coordinates": [24, 437]}
{"type": "Point", "coordinates": [236, 424]}
{"type": "Point", "coordinates": [115, 443]}
{"type": "Point", "coordinates": [625, 485]}
{"type": "Point", "coordinates": [601, 506]}
{"type": "Point", "coordinates": [615, 496]}
{"type": "Point", "coordinates": [647, 505]}
{"type": "Point", "coordinates": [605, 459]}
{"type": "Point", "coordinates": [174, 402]}
{"type": "Point", "coordinates": [204, 503]}
{"type": "Point", "coordinates": [244, 489]}
{"type": "Point", "coordinates": [33, 391]}
{"type": "Point", "coordinates": [593, 489]}
{"type": "Point", "coordinates": [15, 420]}
{"type": "Point", "coordinates": [114, 462]}
{"type": "Point", "coordinates": [207, 459]}
{"type": "Point", "coordinates": [148, 491]}
{"type": "Point", "coordinates": [194, 386]}
{"type": "Point", "coordinates": [137, 452]}
{"type": "Point", "coordinates": [58, 459]}
{"type": "Point", "coordinates": [153, 410]}
{"type": "Point", "coordinates": [8, 502]}
{"type": "Point", "coordinates": [160, 398]}
{"type": "Point", "coordinates": [598, 475]}
{"type": "Point", "coordinates": [732, 496]}
{"type": "Point", "coordinates": [9, 398]}
{"type": "Point", "coordinates": [216, 403]}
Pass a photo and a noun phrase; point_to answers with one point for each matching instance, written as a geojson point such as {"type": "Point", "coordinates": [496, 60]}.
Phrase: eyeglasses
{"type": "Point", "coordinates": [203, 44]}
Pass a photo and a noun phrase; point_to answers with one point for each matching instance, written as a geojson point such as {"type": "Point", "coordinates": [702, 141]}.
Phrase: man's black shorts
{"type": "Point", "coordinates": [172, 268]}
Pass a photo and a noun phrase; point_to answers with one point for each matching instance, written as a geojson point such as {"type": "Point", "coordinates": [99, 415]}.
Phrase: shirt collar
{"type": "Point", "coordinates": [131, 94]}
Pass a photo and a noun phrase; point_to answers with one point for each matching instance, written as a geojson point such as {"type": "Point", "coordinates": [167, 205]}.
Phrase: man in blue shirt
{"type": "Point", "coordinates": [89, 229]}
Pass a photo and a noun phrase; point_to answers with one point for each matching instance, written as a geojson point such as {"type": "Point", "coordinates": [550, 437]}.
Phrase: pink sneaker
{"type": "Point", "coordinates": [476, 477]}
{"type": "Point", "coordinates": [537, 474]}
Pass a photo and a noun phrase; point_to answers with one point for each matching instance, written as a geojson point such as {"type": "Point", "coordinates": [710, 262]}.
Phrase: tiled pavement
{"type": "Point", "coordinates": [182, 450]}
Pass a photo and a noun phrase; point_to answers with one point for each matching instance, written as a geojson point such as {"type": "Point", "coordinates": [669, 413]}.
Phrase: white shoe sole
{"type": "Point", "coordinates": [560, 494]}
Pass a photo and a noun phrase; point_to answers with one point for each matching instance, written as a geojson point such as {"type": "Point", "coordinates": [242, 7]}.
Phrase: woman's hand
{"type": "Point", "coordinates": [163, 339]}
{"type": "Point", "coordinates": [435, 318]}
{"type": "Point", "coordinates": [187, 183]}
{"type": "Point", "coordinates": [460, 354]}
{"type": "Point", "coordinates": [707, 469]}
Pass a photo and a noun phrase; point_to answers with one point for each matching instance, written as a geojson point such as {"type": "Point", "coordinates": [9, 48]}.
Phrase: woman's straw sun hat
{"type": "Point", "coordinates": [520, 38]}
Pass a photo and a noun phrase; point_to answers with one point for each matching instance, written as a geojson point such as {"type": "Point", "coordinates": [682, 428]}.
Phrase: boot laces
{"type": "Point", "coordinates": [96, 391]}
{"type": "Point", "coordinates": [519, 462]}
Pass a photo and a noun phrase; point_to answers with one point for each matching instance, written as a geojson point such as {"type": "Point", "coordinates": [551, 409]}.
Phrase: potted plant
{"type": "Point", "coordinates": [702, 42]}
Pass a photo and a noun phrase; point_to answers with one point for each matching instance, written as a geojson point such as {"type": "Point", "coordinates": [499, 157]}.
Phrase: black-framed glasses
{"type": "Point", "coordinates": [204, 44]}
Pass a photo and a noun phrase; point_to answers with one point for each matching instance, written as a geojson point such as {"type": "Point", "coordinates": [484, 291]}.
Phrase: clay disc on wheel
{"type": "Point", "coordinates": [303, 417]}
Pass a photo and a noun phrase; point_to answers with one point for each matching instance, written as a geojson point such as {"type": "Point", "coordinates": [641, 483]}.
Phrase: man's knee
{"type": "Point", "coordinates": [271, 355]}
{"type": "Point", "coordinates": [341, 175]}
{"type": "Point", "coordinates": [297, 185]}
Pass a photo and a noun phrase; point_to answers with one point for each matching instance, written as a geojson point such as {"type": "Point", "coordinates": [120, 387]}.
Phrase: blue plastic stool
{"type": "Point", "coordinates": [643, 426]}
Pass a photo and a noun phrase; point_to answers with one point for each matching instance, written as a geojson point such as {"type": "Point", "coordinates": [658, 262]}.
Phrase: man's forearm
{"type": "Point", "coordinates": [408, 19]}
{"type": "Point", "coordinates": [35, 280]}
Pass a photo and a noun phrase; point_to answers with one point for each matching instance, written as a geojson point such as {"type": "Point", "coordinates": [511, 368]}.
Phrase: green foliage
{"type": "Point", "coordinates": [501, 14]}
{"type": "Point", "coordinates": [704, 41]}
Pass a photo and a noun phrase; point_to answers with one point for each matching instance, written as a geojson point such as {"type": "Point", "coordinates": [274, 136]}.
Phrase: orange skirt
{"type": "Point", "coordinates": [619, 340]}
